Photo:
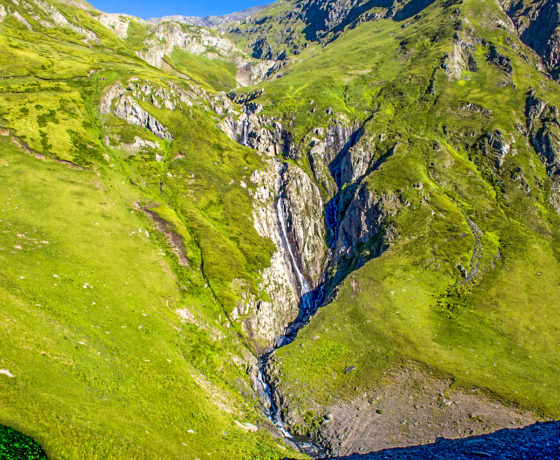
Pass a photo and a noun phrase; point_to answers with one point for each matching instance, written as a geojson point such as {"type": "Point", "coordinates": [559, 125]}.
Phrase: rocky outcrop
{"type": "Point", "coordinates": [252, 72]}
{"type": "Point", "coordinates": [494, 146]}
{"type": "Point", "coordinates": [60, 20]}
{"type": "Point", "coordinates": [299, 239]}
{"type": "Point", "coordinates": [123, 105]}
{"type": "Point", "coordinates": [303, 211]}
{"type": "Point", "coordinates": [500, 60]}
{"type": "Point", "coordinates": [139, 145]}
{"type": "Point", "coordinates": [362, 222]}
{"type": "Point", "coordinates": [266, 319]}
{"type": "Point", "coordinates": [211, 21]}
{"type": "Point", "coordinates": [356, 230]}
{"type": "Point", "coordinates": [167, 35]}
{"type": "Point", "coordinates": [538, 24]}
{"type": "Point", "coordinates": [543, 125]}
{"type": "Point", "coordinates": [130, 111]}
{"type": "Point", "coordinates": [265, 134]}
{"type": "Point", "coordinates": [118, 23]}
{"type": "Point", "coordinates": [460, 59]}
{"type": "Point", "coordinates": [164, 37]}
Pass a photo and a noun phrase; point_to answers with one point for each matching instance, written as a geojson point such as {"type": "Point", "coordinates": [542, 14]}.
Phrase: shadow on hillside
{"type": "Point", "coordinates": [538, 441]}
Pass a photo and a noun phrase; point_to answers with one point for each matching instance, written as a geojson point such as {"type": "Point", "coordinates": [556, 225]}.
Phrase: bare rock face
{"type": "Point", "coordinates": [538, 24]}
{"type": "Point", "coordinates": [495, 146]}
{"type": "Point", "coordinates": [300, 247]}
{"type": "Point", "coordinates": [543, 125]}
{"type": "Point", "coordinates": [304, 223]}
{"type": "Point", "coordinates": [341, 155]}
{"type": "Point", "coordinates": [128, 109]}
{"type": "Point", "coordinates": [254, 130]}
{"type": "Point", "coordinates": [460, 59]}
{"type": "Point", "coordinates": [168, 35]}
{"type": "Point", "coordinates": [252, 72]}
{"type": "Point", "coordinates": [60, 20]}
{"type": "Point", "coordinates": [212, 21]}
{"type": "Point", "coordinates": [139, 145]}
{"type": "Point", "coordinates": [265, 320]}
{"type": "Point", "coordinates": [503, 62]}
{"type": "Point", "coordinates": [363, 220]}
{"type": "Point", "coordinates": [118, 23]}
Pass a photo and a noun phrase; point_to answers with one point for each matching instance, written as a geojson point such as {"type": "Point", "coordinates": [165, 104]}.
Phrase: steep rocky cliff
{"type": "Point", "coordinates": [538, 24]}
{"type": "Point", "coordinates": [356, 222]}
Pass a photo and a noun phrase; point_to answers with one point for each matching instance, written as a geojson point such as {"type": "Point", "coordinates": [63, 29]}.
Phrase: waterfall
{"type": "Point", "coordinates": [304, 287]}
{"type": "Point", "coordinates": [245, 131]}
{"type": "Point", "coordinates": [309, 302]}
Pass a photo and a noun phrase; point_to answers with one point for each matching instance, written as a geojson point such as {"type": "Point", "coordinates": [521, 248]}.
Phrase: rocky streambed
{"type": "Point", "coordinates": [309, 303]}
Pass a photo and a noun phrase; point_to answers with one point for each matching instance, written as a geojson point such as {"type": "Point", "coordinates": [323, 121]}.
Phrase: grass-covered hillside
{"type": "Point", "coordinates": [140, 246]}
{"type": "Point", "coordinates": [115, 292]}
{"type": "Point", "coordinates": [468, 285]}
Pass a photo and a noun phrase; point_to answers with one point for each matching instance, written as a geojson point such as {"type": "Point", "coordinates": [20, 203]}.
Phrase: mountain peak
{"type": "Point", "coordinates": [211, 21]}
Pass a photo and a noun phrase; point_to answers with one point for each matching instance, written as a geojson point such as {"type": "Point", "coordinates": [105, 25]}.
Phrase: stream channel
{"type": "Point", "coordinates": [310, 301]}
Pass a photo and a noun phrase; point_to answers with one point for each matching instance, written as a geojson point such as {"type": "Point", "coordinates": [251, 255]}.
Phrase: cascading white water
{"type": "Point", "coordinates": [245, 131]}
{"type": "Point", "coordinates": [304, 287]}
{"type": "Point", "coordinates": [262, 382]}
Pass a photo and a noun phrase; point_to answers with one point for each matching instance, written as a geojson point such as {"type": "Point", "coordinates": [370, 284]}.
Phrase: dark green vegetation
{"type": "Point", "coordinates": [127, 246]}
{"type": "Point", "coordinates": [16, 446]}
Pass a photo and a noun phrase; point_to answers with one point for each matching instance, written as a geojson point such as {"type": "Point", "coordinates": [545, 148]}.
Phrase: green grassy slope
{"type": "Point", "coordinates": [117, 350]}
{"type": "Point", "coordinates": [102, 361]}
{"type": "Point", "coordinates": [495, 331]}
{"type": "Point", "coordinates": [213, 74]}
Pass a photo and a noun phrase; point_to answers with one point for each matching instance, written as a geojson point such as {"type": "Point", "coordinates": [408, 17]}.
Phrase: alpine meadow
{"type": "Point", "coordinates": [311, 229]}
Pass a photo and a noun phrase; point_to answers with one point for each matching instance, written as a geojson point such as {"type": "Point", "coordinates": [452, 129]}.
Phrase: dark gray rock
{"type": "Point", "coordinates": [503, 62]}
{"type": "Point", "coordinates": [538, 24]}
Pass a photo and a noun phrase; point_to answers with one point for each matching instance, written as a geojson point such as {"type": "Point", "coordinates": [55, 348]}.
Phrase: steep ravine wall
{"type": "Point", "coordinates": [313, 240]}
{"type": "Point", "coordinates": [332, 212]}
{"type": "Point", "coordinates": [313, 250]}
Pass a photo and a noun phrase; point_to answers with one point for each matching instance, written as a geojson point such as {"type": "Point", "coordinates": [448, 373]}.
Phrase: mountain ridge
{"type": "Point", "coordinates": [349, 245]}
{"type": "Point", "coordinates": [211, 21]}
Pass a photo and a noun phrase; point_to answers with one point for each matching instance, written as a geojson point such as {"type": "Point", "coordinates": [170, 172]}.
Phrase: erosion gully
{"type": "Point", "coordinates": [310, 301]}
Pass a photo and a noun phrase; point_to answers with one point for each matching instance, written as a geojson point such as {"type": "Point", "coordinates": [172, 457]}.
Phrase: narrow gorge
{"type": "Point", "coordinates": [297, 213]}
{"type": "Point", "coordinates": [311, 229]}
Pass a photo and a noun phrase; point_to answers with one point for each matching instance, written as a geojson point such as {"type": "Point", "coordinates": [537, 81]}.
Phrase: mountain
{"type": "Point", "coordinates": [324, 228]}
{"type": "Point", "coordinates": [538, 26]}
{"type": "Point", "coordinates": [211, 21]}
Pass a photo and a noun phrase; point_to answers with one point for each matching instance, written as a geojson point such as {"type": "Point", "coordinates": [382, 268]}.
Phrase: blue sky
{"type": "Point", "coordinates": [150, 8]}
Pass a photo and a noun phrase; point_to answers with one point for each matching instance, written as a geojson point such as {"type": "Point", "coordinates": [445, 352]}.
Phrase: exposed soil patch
{"type": "Point", "coordinates": [412, 407]}
{"type": "Point", "coordinates": [174, 239]}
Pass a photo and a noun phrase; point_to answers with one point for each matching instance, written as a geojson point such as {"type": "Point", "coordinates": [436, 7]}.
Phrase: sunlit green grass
{"type": "Point", "coordinates": [101, 360]}
{"type": "Point", "coordinates": [104, 365]}
{"type": "Point", "coordinates": [213, 74]}
{"type": "Point", "coordinates": [499, 332]}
